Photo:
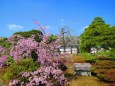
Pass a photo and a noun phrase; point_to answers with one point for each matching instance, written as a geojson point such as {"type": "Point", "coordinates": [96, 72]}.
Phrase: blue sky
{"type": "Point", "coordinates": [17, 15]}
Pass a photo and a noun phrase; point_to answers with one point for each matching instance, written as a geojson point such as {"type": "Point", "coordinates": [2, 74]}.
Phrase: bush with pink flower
{"type": "Point", "coordinates": [49, 73]}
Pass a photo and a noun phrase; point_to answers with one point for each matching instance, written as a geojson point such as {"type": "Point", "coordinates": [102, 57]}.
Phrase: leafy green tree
{"type": "Point", "coordinates": [98, 35]}
{"type": "Point", "coordinates": [37, 34]}
{"type": "Point", "coordinates": [28, 34]}
{"type": "Point", "coordinates": [112, 37]}
{"type": "Point", "coordinates": [112, 41]}
{"type": "Point", "coordinates": [52, 38]}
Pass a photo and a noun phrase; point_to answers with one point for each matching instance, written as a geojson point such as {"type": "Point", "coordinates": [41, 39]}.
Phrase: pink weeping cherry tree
{"type": "Point", "coordinates": [49, 73]}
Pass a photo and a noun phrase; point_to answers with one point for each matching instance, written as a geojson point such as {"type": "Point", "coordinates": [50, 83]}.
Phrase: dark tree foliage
{"type": "Point", "coordinates": [28, 34]}
{"type": "Point", "coordinates": [34, 56]}
{"type": "Point", "coordinates": [37, 34]}
{"type": "Point", "coordinates": [52, 38]}
{"type": "Point", "coordinates": [112, 37]}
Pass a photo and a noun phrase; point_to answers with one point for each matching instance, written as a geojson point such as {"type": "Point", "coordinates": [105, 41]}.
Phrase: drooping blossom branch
{"type": "Point", "coordinates": [49, 73]}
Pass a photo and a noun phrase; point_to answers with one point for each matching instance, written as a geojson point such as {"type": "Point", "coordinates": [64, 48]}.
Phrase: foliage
{"type": "Point", "coordinates": [70, 76]}
{"type": "Point", "coordinates": [3, 60]}
{"type": "Point", "coordinates": [112, 53]}
{"type": "Point", "coordinates": [23, 49]}
{"type": "Point", "coordinates": [10, 61]}
{"type": "Point", "coordinates": [97, 35]}
{"type": "Point", "coordinates": [110, 75]}
{"type": "Point", "coordinates": [7, 45]}
{"type": "Point", "coordinates": [18, 48]}
{"type": "Point", "coordinates": [103, 55]}
{"type": "Point", "coordinates": [52, 38]}
{"type": "Point", "coordinates": [89, 57]}
{"type": "Point", "coordinates": [104, 64]}
{"type": "Point", "coordinates": [49, 73]}
{"type": "Point", "coordinates": [106, 55]}
{"type": "Point", "coordinates": [101, 68]}
{"type": "Point", "coordinates": [14, 69]}
{"type": "Point", "coordinates": [46, 76]}
{"type": "Point", "coordinates": [81, 80]}
{"type": "Point", "coordinates": [112, 37]}
{"type": "Point", "coordinates": [28, 34]}
{"type": "Point", "coordinates": [2, 40]}
{"type": "Point", "coordinates": [34, 55]}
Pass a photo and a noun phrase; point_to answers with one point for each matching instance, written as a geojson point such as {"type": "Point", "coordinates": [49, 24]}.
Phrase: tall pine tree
{"type": "Point", "coordinates": [97, 35]}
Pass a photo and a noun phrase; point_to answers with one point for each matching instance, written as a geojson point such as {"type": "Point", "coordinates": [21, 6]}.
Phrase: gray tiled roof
{"type": "Point", "coordinates": [82, 66]}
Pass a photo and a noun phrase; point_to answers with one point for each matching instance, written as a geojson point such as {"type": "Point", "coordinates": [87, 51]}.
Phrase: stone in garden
{"type": "Point", "coordinates": [82, 69]}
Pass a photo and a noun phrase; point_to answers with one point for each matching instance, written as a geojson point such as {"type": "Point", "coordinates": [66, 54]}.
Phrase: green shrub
{"type": "Point", "coordinates": [100, 76]}
{"type": "Point", "coordinates": [7, 45]}
{"type": "Point", "coordinates": [106, 55]}
{"type": "Point", "coordinates": [70, 76]}
{"type": "Point", "coordinates": [24, 65]}
{"type": "Point", "coordinates": [52, 38]}
{"type": "Point", "coordinates": [28, 34]}
{"type": "Point", "coordinates": [34, 56]}
{"type": "Point", "coordinates": [103, 69]}
{"type": "Point", "coordinates": [105, 64]}
{"type": "Point", "coordinates": [2, 40]}
{"type": "Point", "coordinates": [101, 57]}
{"type": "Point", "coordinates": [112, 53]}
{"type": "Point", "coordinates": [89, 57]}
{"type": "Point", "coordinates": [110, 75]}
{"type": "Point", "coordinates": [9, 61]}
{"type": "Point", "coordinates": [105, 58]}
{"type": "Point", "coordinates": [6, 52]}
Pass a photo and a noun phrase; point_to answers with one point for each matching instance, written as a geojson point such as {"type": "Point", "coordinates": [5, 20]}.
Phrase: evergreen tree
{"type": "Point", "coordinates": [98, 35]}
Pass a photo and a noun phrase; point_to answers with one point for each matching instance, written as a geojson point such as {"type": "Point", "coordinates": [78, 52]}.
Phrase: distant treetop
{"type": "Point", "coordinates": [28, 34]}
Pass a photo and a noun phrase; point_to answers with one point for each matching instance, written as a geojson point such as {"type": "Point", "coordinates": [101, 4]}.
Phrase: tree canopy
{"type": "Point", "coordinates": [98, 34]}
{"type": "Point", "coordinates": [28, 34]}
{"type": "Point", "coordinates": [37, 34]}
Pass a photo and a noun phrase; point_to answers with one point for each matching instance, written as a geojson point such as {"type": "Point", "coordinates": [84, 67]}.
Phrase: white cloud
{"type": "Point", "coordinates": [14, 27]}
{"type": "Point", "coordinates": [82, 29]}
